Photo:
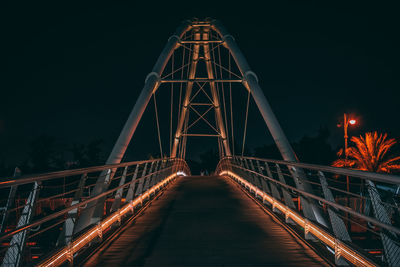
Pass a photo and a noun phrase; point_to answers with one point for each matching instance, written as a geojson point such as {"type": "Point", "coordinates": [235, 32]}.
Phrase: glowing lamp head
{"type": "Point", "coordinates": [352, 122]}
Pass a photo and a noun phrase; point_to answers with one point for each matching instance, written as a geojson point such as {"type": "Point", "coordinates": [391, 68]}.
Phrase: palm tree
{"type": "Point", "coordinates": [370, 154]}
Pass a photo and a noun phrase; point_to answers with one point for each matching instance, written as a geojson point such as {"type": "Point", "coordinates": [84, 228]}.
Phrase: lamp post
{"type": "Point", "coordinates": [346, 122]}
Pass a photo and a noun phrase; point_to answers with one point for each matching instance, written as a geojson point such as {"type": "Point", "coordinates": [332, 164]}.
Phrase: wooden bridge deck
{"type": "Point", "coordinates": [204, 221]}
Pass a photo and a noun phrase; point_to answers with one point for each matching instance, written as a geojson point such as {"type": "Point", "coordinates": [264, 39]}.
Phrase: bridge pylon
{"type": "Point", "coordinates": [201, 75]}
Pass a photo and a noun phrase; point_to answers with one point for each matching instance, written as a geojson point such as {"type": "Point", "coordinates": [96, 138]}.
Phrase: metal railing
{"type": "Point", "coordinates": [43, 216]}
{"type": "Point", "coordinates": [360, 225]}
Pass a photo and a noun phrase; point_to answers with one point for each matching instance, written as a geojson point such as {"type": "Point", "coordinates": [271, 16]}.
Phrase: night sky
{"type": "Point", "coordinates": [74, 71]}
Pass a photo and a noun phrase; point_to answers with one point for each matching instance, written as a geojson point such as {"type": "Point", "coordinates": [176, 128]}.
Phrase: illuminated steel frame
{"type": "Point", "coordinates": [92, 214]}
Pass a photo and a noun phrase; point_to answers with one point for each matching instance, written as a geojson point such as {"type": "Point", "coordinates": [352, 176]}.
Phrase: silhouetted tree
{"type": "Point", "coordinates": [315, 149]}
{"type": "Point", "coordinates": [44, 154]}
{"type": "Point", "coordinates": [87, 155]}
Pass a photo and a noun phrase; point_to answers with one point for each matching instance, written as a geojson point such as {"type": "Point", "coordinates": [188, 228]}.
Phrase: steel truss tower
{"type": "Point", "coordinates": [200, 38]}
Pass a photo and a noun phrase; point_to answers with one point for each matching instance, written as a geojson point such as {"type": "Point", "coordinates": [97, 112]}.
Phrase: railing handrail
{"type": "Point", "coordinates": [330, 203]}
{"type": "Point", "coordinates": [57, 174]}
{"type": "Point", "coordinates": [373, 176]}
{"type": "Point", "coordinates": [77, 205]}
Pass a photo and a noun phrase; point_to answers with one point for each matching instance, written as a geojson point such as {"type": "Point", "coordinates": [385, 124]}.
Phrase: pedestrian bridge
{"type": "Point", "coordinates": [153, 212]}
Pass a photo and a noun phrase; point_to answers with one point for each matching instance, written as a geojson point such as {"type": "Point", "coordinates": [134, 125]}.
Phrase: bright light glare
{"type": "Point", "coordinates": [352, 122]}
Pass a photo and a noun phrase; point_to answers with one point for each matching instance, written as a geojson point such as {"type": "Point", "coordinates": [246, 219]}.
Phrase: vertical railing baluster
{"type": "Point", "coordinates": [256, 178]}
{"type": "Point", "coordinates": [151, 174]}
{"type": "Point", "coordinates": [132, 184]}
{"type": "Point", "coordinates": [118, 194]}
{"type": "Point", "coordinates": [286, 195]}
{"type": "Point", "coordinates": [274, 189]}
{"type": "Point", "coordinates": [14, 253]}
{"type": "Point", "coordinates": [139, 190]}
{"type": "Point", "coordinates": [263, 181]}
{"type": "Point", "coordinates": [69, 225]}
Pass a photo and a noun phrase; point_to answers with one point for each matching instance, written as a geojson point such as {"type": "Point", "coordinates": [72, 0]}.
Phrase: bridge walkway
{"type": "Point", "coordinates": [204, 221]}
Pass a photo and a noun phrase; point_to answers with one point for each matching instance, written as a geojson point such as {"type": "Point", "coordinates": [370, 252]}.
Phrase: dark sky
{"type": "Point", "coordinates": [74, 71]}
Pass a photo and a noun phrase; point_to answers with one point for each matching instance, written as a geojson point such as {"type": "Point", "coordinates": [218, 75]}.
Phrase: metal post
{"type": "Point", "coordinates": [186, 101]}
{"type": "Point", "coordinates": [14, 254]}
{"type": "Point", "coordinates": [157, 173]}
{"type": "Point", "coordinates": [139, 190]}
{"type": "Point", "coordinates": [338, 226]}
{"type": "Point", "coordinates": [285, 192]}
{"type": "Point", "coordinates": [256, 177]}
{"type": "Point", "coordinates": [118, 194]}
{"type": "Point", "coordinates": [217, 108]}
{"type": "Point", "coordinates": [151, 170]}
{"type": "Point", "coordinates": [274, 189]}
{"type": "Point", "coordinates": [264, 183]}
{"type": "Point", "coordinates": [131, 189]}
{"type": "Point", "coordinates": [68, 228]}
{"type": "Point", "coordinates": [10, 201]}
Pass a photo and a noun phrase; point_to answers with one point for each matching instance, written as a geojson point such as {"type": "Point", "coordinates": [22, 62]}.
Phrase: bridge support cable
{"type": "Point", "coordinates": [230, 104]}
{"type": "Point", "coordinates": [172, 103]}
{"type": "Point", "coordinates": [217, 106]}
{"type": "Point", "coordinates": [158, 125]}
{"type": "Point", "coordinates": [245, 123]}
{"type": "Point", "coordinates": [186, 101]}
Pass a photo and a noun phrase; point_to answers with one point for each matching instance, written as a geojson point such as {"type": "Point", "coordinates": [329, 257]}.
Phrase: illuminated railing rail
{"type": "Point", "coordinates": [41, 212]}
{"type": "Point", "coordinates": [360, 219]}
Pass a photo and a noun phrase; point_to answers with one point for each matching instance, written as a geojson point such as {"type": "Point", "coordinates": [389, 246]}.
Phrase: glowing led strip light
{"type": "Point", "coordinates": [341, 249]}
{"type": "Point", "coordinates": [96, 231]}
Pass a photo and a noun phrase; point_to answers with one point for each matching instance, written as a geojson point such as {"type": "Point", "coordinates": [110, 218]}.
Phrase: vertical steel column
{"type": "Point", "coordinates": [217, 108]}
{"type": "Point", "coordinates": [188, 93]}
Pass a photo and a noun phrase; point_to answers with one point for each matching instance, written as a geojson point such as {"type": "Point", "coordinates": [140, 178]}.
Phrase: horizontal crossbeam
{"type": "Point", "coordinates": [202, 42]}
{"type": "Point", "coordinates": [202, 135]}
{"type": "Point", "coordinates": [202, 80]}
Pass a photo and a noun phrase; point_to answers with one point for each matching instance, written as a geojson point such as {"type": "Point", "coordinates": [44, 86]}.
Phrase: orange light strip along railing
{"type": "Point", "coordinates": [66, 253]}
{"type": "Point", "coordinates": [340, 248]}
